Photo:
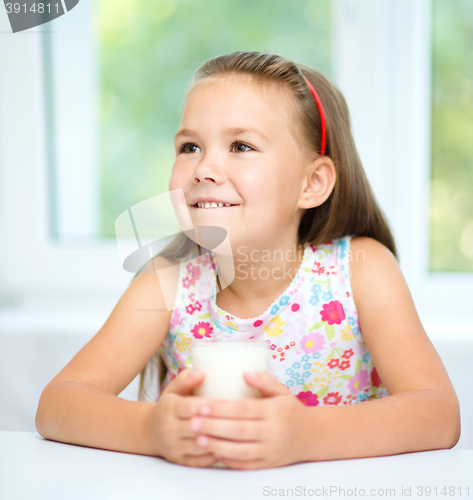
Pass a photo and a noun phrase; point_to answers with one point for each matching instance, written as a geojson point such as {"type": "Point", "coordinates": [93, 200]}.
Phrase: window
{"type": "Point", "coordinates": [451, 197]}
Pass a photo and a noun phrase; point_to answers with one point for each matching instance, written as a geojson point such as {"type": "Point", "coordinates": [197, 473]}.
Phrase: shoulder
{"type": "Point", "coordinates": [368, 258]}
{"type": "Point", "coordinates": [155, 264]}
{"type": "Point", "coordinates": [380, 291]}
{"type": "Point", "coordinates": [157, 282]}
{"type": "Point", "coordinates": [372, 267]}
{"type": "Point", "coordinates": [364, 244]}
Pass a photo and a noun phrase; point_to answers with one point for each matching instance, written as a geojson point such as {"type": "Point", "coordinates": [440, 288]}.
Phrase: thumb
{"type": "Point", "coordinates": [266, 384]}
{"type": "Point", "coordinates": [185, 382]}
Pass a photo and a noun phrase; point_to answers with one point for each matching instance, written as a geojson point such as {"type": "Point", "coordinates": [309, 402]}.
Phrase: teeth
{"type": "Point", "coordinates": [212, 204]}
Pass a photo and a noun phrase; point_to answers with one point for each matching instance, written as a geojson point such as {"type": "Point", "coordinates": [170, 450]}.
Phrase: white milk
{"type": "Point", "coordinates": [224, 362]}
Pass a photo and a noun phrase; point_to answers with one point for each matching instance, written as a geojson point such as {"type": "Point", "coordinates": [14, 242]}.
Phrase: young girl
{"type": "Point", "coordinates": [265, 152]}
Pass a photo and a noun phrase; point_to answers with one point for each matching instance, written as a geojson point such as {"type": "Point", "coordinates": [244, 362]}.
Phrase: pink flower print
{"type": "Point", "coordinates": [189, 267]}
{"type": "Point", "coordinates": [308, 398]}
{"type": "Point", "coordinates": [344, 365]}
{"type": "Point", "coordinates": [375, 379]}
{"type": "Point", "coordinates": [333, 363]}
{"type": "Point", "coordinates": [358, 382]}
{"type": "Point", "coordinates": [319, 269]}
{"type": "Point", "coordinates": [190, 308]}
{"type": "Point", "coordinates": [332, 398]}
{"type": "Point", "coordinates": [195, 274]}
{"type": "Point", "coordinates": [213, 263]}
{"type": "Point", "coordinates": [192, 297]}
{"type": "Point", "coordinates": [313, 342]}
{"type": "Point", "coordinates": [347, 354]}
{"type": "Point", "coordinates": [333, 312]}
{"type": "Point", "coordinates": [197, 306]}
{"type": "Point", "coordinates": [186, 282]}
{"type": "Point", "coordinates": [201, 259]}
{"type": "Point", "coordinates": [201, 330]}
{"type": "Point", "coordinates": [175, 320]}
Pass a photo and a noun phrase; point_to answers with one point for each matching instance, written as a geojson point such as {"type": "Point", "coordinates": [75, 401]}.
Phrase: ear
{"type": "Point", "coordinates": [318, 183]}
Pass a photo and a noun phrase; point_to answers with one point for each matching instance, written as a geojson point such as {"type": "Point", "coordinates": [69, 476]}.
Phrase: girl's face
{"type": "Point", "coordinates": [237, 145]}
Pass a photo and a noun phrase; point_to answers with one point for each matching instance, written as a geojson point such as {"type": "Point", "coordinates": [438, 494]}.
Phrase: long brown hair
{"type": "Point", "coordinates": [351, 208]}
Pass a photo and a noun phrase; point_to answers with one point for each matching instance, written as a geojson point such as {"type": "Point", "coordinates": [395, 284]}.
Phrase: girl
{"type": "Point", "coordinates": [265, 151]}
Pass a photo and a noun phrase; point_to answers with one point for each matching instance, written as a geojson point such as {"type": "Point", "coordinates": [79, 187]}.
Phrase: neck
{"type": "Point", "coordinates": [261, 275]}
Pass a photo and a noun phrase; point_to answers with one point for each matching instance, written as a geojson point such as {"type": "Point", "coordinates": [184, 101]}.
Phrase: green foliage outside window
{"type": "Point", "coordinates": [147, 54]}
{"type": "Point", "coordinates": [451, 202]}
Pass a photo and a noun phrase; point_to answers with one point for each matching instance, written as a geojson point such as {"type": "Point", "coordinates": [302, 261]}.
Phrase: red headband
{"type": "Point", "coordinates": [321, 112]}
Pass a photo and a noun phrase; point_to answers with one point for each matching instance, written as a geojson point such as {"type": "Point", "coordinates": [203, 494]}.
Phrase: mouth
{"type": "Point", "coordinates": [211, 205]}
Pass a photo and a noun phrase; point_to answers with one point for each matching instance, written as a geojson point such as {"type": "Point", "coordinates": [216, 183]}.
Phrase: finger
{"type": "Point", "coordinates": [235, 430]}
{"type": "Point", "coordinates": [184, 430]}
{"type": "Point", "coordinates": [266, 384]}
{"type": "Point", "coordinates": [231, 449]}
{"type": "Point", "coordinates": [188, 446]}
{"type": "Point", "coordinates": [242, 409]}
{"type": "Point", "coordinates": [185, 382]}
{"type": "Point", "coordinates": [186, 407]}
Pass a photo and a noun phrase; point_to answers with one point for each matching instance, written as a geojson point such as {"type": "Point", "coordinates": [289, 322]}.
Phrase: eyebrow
{"type": "Point", "coordinates": [185, 132]}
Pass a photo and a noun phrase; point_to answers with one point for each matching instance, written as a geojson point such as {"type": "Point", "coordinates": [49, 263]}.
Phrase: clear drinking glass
{"type": "Point", "coordinates": [224, 362]}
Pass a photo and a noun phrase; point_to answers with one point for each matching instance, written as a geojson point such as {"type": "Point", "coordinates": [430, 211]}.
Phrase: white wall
{"type": "Point", "coordinates": [34, 347]}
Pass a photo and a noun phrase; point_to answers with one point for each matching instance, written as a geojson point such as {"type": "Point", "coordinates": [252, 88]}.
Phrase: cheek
{"type": "Point", "coordinates": [176, 180]}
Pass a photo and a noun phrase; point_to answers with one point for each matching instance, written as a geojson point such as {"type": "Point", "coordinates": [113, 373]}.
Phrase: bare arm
{"type": "Point", "coordinates": [80, 404]}
{"type": "Point", "coordinates": [422, 410]}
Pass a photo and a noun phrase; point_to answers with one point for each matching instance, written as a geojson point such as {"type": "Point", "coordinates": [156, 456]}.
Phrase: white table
{"type": "Point", "coordinates": [34, 468]}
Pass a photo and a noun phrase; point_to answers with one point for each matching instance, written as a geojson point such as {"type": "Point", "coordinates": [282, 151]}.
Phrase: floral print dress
{"type": "Point", "coordinates": [316, 344]}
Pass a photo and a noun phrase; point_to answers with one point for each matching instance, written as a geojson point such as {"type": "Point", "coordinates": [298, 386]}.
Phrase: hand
{"type": "Point", "coordinates": [254, 433]}
{"type": "Point", "coordinates": [169, 425]}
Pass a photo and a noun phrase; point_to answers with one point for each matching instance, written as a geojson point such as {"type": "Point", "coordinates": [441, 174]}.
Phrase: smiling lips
{"type": "Point", "coordinates": [212, 204]}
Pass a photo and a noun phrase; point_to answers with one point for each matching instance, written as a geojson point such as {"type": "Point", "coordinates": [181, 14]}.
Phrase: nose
{"type": "Point", "coordinates": [207, 171]}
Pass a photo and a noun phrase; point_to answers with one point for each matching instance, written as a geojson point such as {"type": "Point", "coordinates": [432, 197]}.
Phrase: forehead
{"type": "Point", "coordinates": [234, 95]}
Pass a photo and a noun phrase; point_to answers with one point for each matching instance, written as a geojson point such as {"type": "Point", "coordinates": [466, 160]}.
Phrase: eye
{"type": "Point", "coordinates": [186, 148]}
{"type": "Point", "coordinates": [237, 145]}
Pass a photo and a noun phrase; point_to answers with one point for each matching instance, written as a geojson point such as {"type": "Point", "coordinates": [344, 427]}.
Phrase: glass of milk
{"type": "Point", "coordinates": [224, 362]}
